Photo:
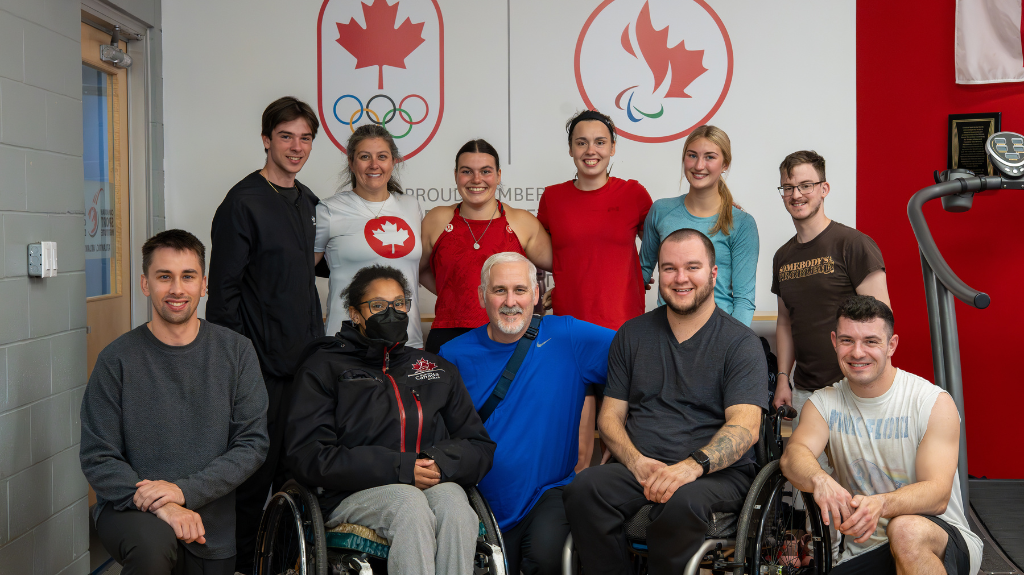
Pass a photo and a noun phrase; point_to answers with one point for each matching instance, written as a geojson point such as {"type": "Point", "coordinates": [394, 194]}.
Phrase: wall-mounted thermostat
{"type": "Point", "coordinates": [42, 259]}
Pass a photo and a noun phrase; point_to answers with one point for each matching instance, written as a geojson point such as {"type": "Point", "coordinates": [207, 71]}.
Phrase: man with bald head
{"type": "Point", "coordinates": [536, 423]}
{"type": "Point", "coordinates": [682, 409]}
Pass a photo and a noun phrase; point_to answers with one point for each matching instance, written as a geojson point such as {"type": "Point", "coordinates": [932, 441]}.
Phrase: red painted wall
{"type": "Point", "coordinates": [905, 90]}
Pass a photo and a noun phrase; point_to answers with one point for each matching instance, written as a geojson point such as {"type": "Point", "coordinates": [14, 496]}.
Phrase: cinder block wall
{"type": "Point", "coordinates": [44, 525]}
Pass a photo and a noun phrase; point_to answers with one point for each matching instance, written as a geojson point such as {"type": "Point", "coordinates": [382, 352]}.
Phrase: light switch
{"type": "Point", "coordinates": [42, 259]}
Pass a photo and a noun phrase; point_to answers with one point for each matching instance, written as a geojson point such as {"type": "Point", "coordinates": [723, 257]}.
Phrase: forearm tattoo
{"type": "Point", "coordinates": [728, 445]}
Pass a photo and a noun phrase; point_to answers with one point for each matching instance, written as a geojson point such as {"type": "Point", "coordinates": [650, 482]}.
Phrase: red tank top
{"type": "Point", "coordinates": [457, 266]}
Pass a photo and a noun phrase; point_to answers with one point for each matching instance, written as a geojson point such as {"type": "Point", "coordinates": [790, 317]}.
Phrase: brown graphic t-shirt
{"type": "Point", "coordinates": [813, 279]}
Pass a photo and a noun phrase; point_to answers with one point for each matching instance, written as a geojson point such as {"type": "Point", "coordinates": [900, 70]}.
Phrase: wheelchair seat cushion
{"type": "Point", "coordinates": [365, 540]}
{"type": "Point", "coordinates": [358, 538]}
{"type": "Point", "coordinates": [720, 525]}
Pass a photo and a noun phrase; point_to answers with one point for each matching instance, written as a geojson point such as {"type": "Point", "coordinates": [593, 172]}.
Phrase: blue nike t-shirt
{"type": "Point", "coordinates": [537, 425]}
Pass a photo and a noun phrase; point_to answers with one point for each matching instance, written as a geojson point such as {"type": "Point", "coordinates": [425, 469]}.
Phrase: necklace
{"type": "Point", "coordinates": [269, 182]}
{"type": "Point", "coordinates": [366, 204]}
{"type": "Point", "coordinates": [476, 242]}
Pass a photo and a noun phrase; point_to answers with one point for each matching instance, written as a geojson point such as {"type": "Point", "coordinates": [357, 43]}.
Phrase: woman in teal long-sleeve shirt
{"type": "Point", "coordinates": [708, 206]}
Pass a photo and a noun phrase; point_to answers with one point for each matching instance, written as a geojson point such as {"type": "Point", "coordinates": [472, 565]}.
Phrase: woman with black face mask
{"type": "Point", "coordinates": [389, 433]}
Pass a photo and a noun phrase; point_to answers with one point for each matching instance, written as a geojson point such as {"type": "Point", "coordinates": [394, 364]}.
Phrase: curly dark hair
{"type": "Point", "coordinates": [864, 308]}
{"type": "Point", "coordinates": [356, 291]}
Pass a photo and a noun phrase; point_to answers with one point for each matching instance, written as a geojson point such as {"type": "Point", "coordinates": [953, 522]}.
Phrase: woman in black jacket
{"type": "Point", "coordinates": [388, 435]}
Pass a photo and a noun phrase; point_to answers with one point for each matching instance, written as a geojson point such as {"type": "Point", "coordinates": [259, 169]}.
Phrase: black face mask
{"type": "Point", "coordinates": [390, 326]}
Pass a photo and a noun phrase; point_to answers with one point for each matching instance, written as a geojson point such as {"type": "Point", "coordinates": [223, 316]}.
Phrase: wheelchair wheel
{"type": "Point", "coordinates": [291, 537]}
{"type": "Point", "coordinates": [771, 536]}
{"type": "Point", "coordinates": [493, 545]}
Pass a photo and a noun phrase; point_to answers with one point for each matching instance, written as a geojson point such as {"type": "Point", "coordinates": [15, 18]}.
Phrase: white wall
{"type": "Point", "coordinates": [793, 87]}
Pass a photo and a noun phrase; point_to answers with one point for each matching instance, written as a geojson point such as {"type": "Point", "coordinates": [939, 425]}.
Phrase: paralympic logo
{"type": "Point", "coordinates": [674, 56]}
{"type": "Point", "coordinates": [371, 50]}
{"type": "Point", "coordinates": [396, 111]}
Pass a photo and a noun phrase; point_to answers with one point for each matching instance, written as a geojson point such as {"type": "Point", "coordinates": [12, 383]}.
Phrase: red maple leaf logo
{"type": "Point", "coordinates": [380, 43]}
{"type": "Point", "coordinates": [686, 65]}
{"type": "Point", "coordinates": [424, 365]}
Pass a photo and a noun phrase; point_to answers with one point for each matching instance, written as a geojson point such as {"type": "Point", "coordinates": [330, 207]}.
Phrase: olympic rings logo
{"type": "Point", "coordinates": [398, 111]}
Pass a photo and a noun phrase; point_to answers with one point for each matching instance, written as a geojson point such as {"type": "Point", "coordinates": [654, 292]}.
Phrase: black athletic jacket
{"type": "Point", "coordinates": [261, 272]}
{"type": "Point", "coordinates": [361, 414]}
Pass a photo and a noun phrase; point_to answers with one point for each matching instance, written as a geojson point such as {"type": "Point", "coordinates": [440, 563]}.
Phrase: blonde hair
{"type": "Point", "coordinates": [718, 137]}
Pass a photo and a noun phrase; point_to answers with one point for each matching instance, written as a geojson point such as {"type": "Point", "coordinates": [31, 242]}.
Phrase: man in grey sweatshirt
{"type": "Point", "coordinates": [173, 420]}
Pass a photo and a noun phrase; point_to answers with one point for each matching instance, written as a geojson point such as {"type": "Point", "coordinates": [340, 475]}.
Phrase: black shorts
{"type": "Point", "coordinates": [957, 559]}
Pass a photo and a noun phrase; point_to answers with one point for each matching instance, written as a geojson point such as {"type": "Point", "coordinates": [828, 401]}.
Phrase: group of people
{"type": "Point", "coordinates": [189, 424]}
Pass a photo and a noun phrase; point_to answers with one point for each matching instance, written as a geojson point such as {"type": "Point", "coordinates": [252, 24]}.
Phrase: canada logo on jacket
{"type": "Point", "coordinates": [425, 369]}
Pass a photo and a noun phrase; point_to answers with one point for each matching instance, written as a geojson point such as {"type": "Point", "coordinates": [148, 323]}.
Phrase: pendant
{"type": "Point", "coordinates": [476, 246]}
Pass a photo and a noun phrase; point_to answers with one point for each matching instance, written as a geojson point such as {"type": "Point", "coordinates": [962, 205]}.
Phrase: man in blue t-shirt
{"type": "Point", "coordinates": [537, 424]}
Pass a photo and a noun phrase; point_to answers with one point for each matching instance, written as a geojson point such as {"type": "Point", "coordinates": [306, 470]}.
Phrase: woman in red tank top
{"type": "Point", "coordinates": [457, 239]}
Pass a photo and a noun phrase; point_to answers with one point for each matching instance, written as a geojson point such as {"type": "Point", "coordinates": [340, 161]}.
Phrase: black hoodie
{"type": "Point", "coordinates": [361, 414]}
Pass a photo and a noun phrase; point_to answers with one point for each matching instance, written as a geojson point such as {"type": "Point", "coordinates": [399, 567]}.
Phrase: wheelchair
{"type": "Point", "coordinates": [292, 539]}
{"type": "Point", "coordinates": [768, 535]}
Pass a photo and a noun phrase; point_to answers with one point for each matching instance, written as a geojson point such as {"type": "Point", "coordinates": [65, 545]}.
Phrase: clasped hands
{"type": "Point", "coordinates": [660, 480]}
{"type": "Point", "coordinates": [426, 474]}
{"type": "Point", "coordinates": [165, 500]}
{"type": "Point", "coordinates": [859, 513]}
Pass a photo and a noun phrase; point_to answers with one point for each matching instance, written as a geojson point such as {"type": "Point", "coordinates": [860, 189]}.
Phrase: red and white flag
{"type": "Point", "coordinates": [988, 41]}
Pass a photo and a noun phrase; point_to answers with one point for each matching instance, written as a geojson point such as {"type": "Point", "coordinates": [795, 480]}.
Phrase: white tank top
{"type": "Point", "coordinates": [874, 447]}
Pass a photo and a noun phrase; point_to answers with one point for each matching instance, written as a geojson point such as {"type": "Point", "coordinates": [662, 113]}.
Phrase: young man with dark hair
{"type": "Point", "coordinates": [682, 410]}
{"type": "Point", "coordinates": [262, 282]}
{"type": "Point", "coordinates": [822, 265]}
{"type": "Point", "coordinates": [173, 420]}
{"type": "Point", "coordinates": [894, 439]}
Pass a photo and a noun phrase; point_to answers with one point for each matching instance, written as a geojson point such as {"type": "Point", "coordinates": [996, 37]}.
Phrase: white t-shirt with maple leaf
{"type": "Point", "coordinates": [352, 236]}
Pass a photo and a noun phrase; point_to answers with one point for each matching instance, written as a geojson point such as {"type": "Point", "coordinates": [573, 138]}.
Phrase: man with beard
{"type": "Point", "coordinates": [686, 388]}
{"type": "Point", "coordinates": [536, 420]}
{"type": "Point", "coordinates": [820, 267]}
{"type": "Point", "coordinates": [173, 420]}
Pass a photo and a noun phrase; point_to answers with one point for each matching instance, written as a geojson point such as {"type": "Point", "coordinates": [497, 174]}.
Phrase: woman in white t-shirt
{"type": "Point", "coordinates": [373, 223]}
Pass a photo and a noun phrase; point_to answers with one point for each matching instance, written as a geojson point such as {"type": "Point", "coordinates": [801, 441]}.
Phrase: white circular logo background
{"type": "Point", "coordinates": [659, 68]}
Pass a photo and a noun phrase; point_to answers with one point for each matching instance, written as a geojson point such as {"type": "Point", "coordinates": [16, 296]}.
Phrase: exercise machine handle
{"type": "Point", "coordinates": [953, 283]}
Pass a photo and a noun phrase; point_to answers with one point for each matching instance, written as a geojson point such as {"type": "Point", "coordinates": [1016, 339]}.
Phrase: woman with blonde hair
{"type": "Point", "coordinates": [708, 206]}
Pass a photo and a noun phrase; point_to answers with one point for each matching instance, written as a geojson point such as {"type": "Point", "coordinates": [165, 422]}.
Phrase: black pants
{"type": "Point", "coordinates": [251, 496]}
{"type": "Point", "coordinates": [442, 335]}
{"type": "Point", "coordinates": [879, 561]}
{"type": "Point", "coordinates": [534, 545]}
{"type": "Point", "coordinates": [602, 498]}
{"type": "Point", "coordinates": [145, 545]}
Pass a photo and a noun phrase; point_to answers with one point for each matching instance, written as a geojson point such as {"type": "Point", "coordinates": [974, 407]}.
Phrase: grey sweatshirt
{"type": "Point", "coordinates": [194, 415]}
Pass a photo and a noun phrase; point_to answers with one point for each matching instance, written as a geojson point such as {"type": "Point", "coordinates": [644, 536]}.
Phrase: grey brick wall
{"type": "Point", "coordinates": [44, 526]}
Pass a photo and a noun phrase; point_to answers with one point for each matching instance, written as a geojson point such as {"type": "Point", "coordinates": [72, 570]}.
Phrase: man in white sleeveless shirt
{"type": "Point", "coordinates": [894, 440]}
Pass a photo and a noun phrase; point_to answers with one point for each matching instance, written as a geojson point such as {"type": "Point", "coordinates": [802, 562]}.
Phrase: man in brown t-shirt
{"type": "Point", "coordinates": [822, 265]}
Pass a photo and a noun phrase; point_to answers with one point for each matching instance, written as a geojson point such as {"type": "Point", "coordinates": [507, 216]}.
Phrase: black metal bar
{"type": "Point", "coordinates": [930, 251]}
{"type": "Point", "coordinates": [954, 381]}
{"type": "Point", "coordinates": [931, 287]}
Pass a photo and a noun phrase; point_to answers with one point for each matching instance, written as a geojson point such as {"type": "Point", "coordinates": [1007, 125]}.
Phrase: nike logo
{"type": "Point", "coordinates": [539, 344]}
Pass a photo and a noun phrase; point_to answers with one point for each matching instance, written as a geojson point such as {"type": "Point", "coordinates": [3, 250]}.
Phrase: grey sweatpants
{"type": "Point", "coordinates": [430, 531]}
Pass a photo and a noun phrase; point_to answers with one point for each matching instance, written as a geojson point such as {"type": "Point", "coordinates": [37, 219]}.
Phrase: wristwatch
{"type": "Point", "coordinates": [704, 461]}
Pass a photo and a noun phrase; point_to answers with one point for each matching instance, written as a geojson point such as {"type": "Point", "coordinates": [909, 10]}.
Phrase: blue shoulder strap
{"type": "Point", "coordinates": [522, 348]}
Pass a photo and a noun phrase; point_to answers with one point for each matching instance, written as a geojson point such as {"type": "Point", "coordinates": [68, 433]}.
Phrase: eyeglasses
{"type": "Point", "coordinates": [379, 305]}
{"type": "Point", "coordinates": [804, 188]}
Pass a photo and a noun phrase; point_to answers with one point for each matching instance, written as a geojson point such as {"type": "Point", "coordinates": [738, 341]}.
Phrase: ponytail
{"type": "Point", "coordinates": [724, 223]}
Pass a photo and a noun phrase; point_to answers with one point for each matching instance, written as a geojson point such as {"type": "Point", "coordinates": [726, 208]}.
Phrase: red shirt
{"type": "Point", "coordinates": [457, 266]}
{"type": "Point", "coordinates": [593, 238]}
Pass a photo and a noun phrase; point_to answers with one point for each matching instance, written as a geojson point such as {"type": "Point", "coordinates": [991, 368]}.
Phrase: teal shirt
{"type": "Point", "coordinates": [735, 254]}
